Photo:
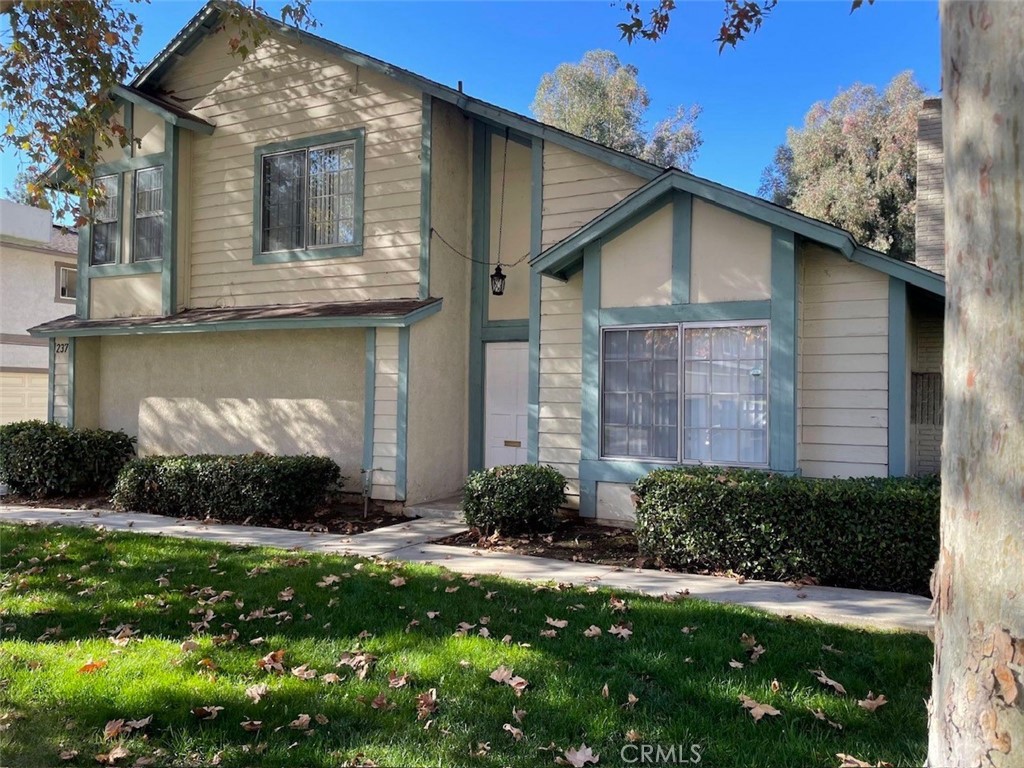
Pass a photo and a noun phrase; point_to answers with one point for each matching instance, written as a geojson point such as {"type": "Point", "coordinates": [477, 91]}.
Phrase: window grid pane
{"type": "Point", "coordinates": [104, 225]}
{"type": "Point", "coordinates": [726, 413]}
{"type": "Point", "coordinates": [149, 214]}
{"type": "Point", "coordinates": [331, 210]}
{"type": "Point", "coordinates": [640, 393]}
{"type": "Point", "coordinates": [283, 201]}
{"type": "Point", "coordinates": [68, 283]}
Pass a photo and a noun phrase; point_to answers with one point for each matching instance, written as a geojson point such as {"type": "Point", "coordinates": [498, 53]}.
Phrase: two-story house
{"type": "Point", "coordinates": [301, 256]}
{"type": "Point", "coordinates": [38, 277]}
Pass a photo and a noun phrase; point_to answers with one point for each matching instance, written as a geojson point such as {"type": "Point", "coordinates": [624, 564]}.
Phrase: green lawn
{"type": "Point", "coordinates": [64, 591]}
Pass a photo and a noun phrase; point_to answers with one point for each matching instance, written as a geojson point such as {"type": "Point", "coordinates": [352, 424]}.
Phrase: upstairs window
{"type": "Point", "coordinates": [149, 214]}
{"type": "Point", "coordinates": [106, 230]}
{"type": "Point", "coordinates": [67, 283]}
{"type": "Point", "coordinates": [310, 198]}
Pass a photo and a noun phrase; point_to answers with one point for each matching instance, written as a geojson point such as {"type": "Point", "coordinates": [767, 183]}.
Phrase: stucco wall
{"type": "Point", "coordinates": [561, 378]}
{"type": "Point", "coordinates": [730, 256]}
{"type": "Point", "coordinates": [27, 291]}
{"type": "Point", "coordinates": [87, 381]}
{"type": "Point", "coordinates": [513, 226]}
{"type": "Point", "coordinates": [286, 90]}
{"type": "Point", "coordinates": [842, 366]}
{"type": "Point", "coordinates": [636, 266]}
{"type": "Point", "coordinates": [149, 129]}
{"type": "Point", "coordinates": [578, 188]}
{"type": "Point", "coordinates": [281, 392]}
{"type": "Point", "coordinates": [125, 296]}
{"type": "Point", "coordinates": [439, 346]}
{"type": "Point", "coordinates": [385, 414]}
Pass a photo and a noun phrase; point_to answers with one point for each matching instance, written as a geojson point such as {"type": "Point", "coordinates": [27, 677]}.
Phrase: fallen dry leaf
{"type": "Point", "coordinates": [481, 749]}
{"type": "Point", "coordinates": [111, 757]}
{"type": "Point", "coordinates": [775, 686]}
{"type": "Point", "coordinates": [516, 733]}
{"type": "Point", "coordinates": [849, 761]}
{"type": "Point", "coordinates": [300, 723]}
{"type": "Point", "coordinates": [426, 704]}
{"type": "Point", "coordinates": [621, 630]}
{"type": "Point", "coordinates": [91, 666]}
{"type": "Point", "coordinates": [872, 702]}
{"type": "Point", "coordinates": [604, 691]}
{"type": "Point", "coordinates": [736, 664]}
{"type": "Point", "coordinates": [381, 702]}
{"type": "Point", "coordinates": [578, 757]}
{"type": "Point", "coordinates": [272, 662]}
{"type": "Point", "coordinates": [518, 714]}
{"type": "Point", "coordinates": [207, 712]}
{"type": "Point", "coordinates": [758, 710]}
{"type": "Point", "coordinates": [559, 623]}
{"type": "Point", "coordinates": [321, 719]}
{"type": "Point", "coordinates": [633, 736]}
{"type": "Point", "coordinates": [433, 614]}
{"type": "Point", "coordinates": [303, 672]}
{"type": "Point", "coordinates": [330, 678]}
{"type": "Point", "coordinates": [398, 581]}
{"type": "Point", "coordinates": [827, 681]}
{"type": "Point", "coordinates": [113, 729]}
{"type": "Point", "coordinates": [397, 681]}
{"type": "Point", "coordinates": [631, 701]}
{"type": "Point", "coordinates": [548, 633]}
{"type": "Point", "coordinates": [592, 631]}
{"type": "Point", "coordinates": [824, 718]}
{"type": "Point", "coordinates": [286, 594]}
{"type": "Point", "coordinates": [252, 725]}
{"type": "Point", "coordinates": [617, 604]}
{"type": "Point", "coordinates": [257, 692]}
{"type": "Point", "coordinates": [68, 754]}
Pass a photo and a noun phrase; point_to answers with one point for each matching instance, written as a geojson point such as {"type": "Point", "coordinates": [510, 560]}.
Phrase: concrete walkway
{"type": "Point", "coordinates": [411, 542]}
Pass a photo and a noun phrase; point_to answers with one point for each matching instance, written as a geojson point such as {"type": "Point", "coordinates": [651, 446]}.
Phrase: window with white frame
{"type": "Point", "coordinates": [309, 198]}
{"type": "Point", "coordinates": [106, 232]}
{"type": "Point", "coordinates": [67, 283]}
{"type": "Point", "coordinates": [149, 214]}
{"type": "Point", "coordinates": [686, 393]}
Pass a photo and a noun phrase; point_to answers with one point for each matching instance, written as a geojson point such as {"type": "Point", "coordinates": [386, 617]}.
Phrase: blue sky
{"type": "Point", "coordinates": [804, 53]}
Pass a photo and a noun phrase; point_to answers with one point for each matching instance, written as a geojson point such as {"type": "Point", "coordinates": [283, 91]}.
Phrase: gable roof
{"type": "Point", "coordinates": [563, 258]}
{"type": "Point", "coordinates": [207, 21]}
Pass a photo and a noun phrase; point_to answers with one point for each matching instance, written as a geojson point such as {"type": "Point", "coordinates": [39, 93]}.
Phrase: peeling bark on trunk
{"type": "Point", "coordinates": [977, 706]}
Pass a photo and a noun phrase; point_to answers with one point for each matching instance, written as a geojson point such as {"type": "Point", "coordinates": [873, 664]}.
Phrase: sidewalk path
{"type": "Point", "coordinates": [411, 542]}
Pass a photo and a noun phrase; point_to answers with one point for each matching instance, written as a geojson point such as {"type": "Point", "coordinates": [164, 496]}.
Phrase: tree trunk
{"type": "Point", "coordinates": [977, 706]}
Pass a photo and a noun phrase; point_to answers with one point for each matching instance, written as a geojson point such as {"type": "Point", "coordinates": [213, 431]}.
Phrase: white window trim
{"type": "Point", "coordinates": [680, 425]}
{"type": "Point", "coordinates": [61, 267]}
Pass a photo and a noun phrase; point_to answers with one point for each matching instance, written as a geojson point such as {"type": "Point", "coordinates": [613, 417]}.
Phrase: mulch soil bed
{"type": "Point", "coordinates": [572, 539]}
{"type": "Point", "coordinates": [339, 516]}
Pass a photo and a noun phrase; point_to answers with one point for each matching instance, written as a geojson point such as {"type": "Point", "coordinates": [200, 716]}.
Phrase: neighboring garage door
{"type": "Point", "coordinates": [22, 396]}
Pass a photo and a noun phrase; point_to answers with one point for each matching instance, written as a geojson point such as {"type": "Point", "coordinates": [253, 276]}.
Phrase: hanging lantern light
{"type": "Point", "coordinates": [497, 282]}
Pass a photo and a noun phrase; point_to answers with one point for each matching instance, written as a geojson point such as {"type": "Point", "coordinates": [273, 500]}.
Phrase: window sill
{"type": "Point", "coordinates": [134, 268]}
{"type": "Point", "coordinates": [309, 254]}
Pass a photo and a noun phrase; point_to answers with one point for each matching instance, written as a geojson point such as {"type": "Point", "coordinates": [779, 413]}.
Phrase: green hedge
{"type": "Point", "coordinates": [254, 487]}
{"type": "Point", "coordinates": [45, 460]}
{"type": "Point", "coordinates": [869, 533]}
{"type": "Point", "coordinates": [512, 499]}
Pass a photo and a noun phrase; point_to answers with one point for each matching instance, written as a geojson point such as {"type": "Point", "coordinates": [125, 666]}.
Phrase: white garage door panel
{"type": "Point", "coordinates": [23, 396]}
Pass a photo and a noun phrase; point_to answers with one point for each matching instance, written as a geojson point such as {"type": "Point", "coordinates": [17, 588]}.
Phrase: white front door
{"type": "Point", "coordinates": [507, 366]}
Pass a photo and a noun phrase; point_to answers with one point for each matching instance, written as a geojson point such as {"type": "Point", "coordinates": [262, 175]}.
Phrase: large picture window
{"type": "Point", "coordinates": [310, 198]}
{"type": "Point", "coordinates": [688, 393]}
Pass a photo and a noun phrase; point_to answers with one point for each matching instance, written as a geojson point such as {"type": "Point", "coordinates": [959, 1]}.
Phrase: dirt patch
{"type": "Point", "coordinates": [341, 515]}
{"type": "Point", "coordinates": [572, 539]}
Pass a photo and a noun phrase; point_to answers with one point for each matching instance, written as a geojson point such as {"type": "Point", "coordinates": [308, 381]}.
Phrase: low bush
{"type": "Point", "coordinates": [517, 498]}
{"type": "Point", "coordinates": [46, 460]}
{"type": "Point", "coordinates": [254, 487]}
{"type": "Point", "coordinates": [868, 533]}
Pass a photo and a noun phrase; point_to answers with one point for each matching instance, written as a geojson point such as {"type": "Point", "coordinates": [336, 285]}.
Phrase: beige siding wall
{"type": "Point", "coordinates": [125, 296]}
{"type": "Point", "coordinates": [439, 346]}
{"type": "Point", "coordinates": [578, 188]}
{"type": "Point", "coordinates": [636, 266]}
{"type": "Point", "coordinates": [287, 90]}
{"type": "Point", "coordinates": [62, 381]}
{"type": "Point", "coordinates": [149, 129]}
{"type": "Point", "coordinates": [184, 223]}
{"type": "Point", "coordinates": [561, 378]}
{"type": "Point", "coordinates": [843, 367]}
{"type": "Point", "coordinates": [280, 392]}
{"type": "Point", "coordinates": [385, 415]}
{"type": "Point", "coordinates": [731, 256]}
{"type": "Point", "coordinates": [510, 230]}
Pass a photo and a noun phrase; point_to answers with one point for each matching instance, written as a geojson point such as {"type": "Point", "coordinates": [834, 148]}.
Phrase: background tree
{"type": "Point", "coordinates": [854, 164]}
{"type": "Point", "coordinates": [601, 99]}
{"type": "Point", "coordinates": [976, 712]}
{"type": "Point", "coordinates": [58, 63]}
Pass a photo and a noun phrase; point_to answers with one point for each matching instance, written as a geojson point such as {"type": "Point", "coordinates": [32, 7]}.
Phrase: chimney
{"type": "Point", "coordinates": [929, 229]}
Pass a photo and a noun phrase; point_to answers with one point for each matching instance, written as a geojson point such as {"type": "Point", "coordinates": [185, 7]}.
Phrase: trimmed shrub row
{"type": "Point", "coordinates": [45, 460]}
{"type": "Point", "coordinates": [254, 487]}
{"type": "Point", "coordinates": [867, 533]}
{"type": "Point", "coordinates": [513, 499]}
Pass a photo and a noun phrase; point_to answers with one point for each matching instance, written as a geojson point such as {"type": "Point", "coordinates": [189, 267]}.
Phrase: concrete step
{"type": "Point", "coordinates": [447, 510]}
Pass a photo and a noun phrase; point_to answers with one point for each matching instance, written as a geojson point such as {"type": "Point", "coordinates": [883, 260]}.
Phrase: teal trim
{"type": "Point", "coordinates": [536, 235]}
{"type": "Point", "coordinates": [401, 459]}
{"type": "Point", "coordinates": [590, 405]}
{"type": "Point", "coordinates": [131, 268]}
{"type": "Point", "coordinates": [169, 278]}
{"type": "Point", "coordinates": [897, 377]}
{"type": "Point", "coordinates": [134, 163]}
{"type": "Point", "coordinates": [425, 190]}
{"type": "Point", "coordinates": [686, 313]}
{"type": "Point", "coordinates": [50, 379]}
{"type": "Point", "coordinates": [560, 259]}
{"type": "Point", "coordinates": [682, 227]}
{"type": "Point", "coordinates": [223, 326]}
{"type": "Point", "coordinates": [199, 126]}
{"type": "Point", "coordinates": [782, 363]}
{"type": "Point", "coordinates": [84, 252]}
{"type": "Point", "coordinates": [71, 383]}
{"type": "Point", "coordinates": [356, 135]}
{"type": "Point", "coordinates": [618, 470]}
{"type": "Point", "coordinates": [369, 401]}
{"type": "Point", "coordinates": [517, 332]}
{"type": "Point", "coordinates": [477, 296]}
